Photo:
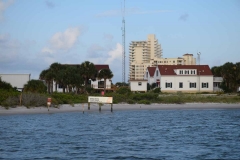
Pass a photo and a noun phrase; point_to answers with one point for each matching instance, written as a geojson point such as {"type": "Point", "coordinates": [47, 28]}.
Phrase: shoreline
{"type": "Point", "coordinates": [65, 108]}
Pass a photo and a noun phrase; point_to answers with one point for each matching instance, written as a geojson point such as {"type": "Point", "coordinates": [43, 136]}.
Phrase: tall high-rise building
{"type": "Point", "coordinates": [143, 54]}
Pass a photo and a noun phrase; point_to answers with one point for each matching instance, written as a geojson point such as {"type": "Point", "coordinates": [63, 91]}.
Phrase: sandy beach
{"type": "Point", "coordinates": [116, 107]}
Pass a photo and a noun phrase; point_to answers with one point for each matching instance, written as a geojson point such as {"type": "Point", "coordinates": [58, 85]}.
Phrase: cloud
{"type": "Point", "coordinates": [62, 41]}
{"type": "Point", "coordinates": [95, 51]}
{"type": "Point", "coordinates": [183, 17]}
{"type": "Point", "coordinates": [49, 4]}
{"type": "Point", "coordinates": [108, 37]}
{"type": "Point", "coordinates": [8, 48]}
{"type": "Point", "coordinates": [111, 13]}
{"type": "Point", "coordinates": [3, 6]}
{"type": "Point", "coordinates": [115, 54]}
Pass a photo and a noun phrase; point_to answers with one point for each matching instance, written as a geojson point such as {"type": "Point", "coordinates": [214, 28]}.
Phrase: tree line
{"type": "Point", "coordinates": [73, 78]}
{"type": "Point", "coordinates": [230, 72]}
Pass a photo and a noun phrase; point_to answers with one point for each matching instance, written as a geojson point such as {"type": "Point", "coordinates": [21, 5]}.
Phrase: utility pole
{"type": "Point", "coordinates": [123, 43]}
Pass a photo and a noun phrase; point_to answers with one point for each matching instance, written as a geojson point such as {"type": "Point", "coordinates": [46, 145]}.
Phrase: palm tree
{"type": "Point", "coordinates": [87, 71]}
{"type": "Point", "coordinates": [47, 75]}
{"type": "Point", "coordinates": [55, 68]}
{"type": "Point", "coordinates": [105, 74]}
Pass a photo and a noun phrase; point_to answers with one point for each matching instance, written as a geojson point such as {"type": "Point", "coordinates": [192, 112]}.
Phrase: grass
{"type": "Point", "coordinates": [29, 100]}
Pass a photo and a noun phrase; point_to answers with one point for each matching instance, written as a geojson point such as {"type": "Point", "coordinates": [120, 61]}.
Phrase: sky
{"type": "Point", "coordinates": [36, 33]}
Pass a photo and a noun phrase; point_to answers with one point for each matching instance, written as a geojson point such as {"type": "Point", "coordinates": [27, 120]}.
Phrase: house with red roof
{"type": "Point", "coordinates": [185, 78]}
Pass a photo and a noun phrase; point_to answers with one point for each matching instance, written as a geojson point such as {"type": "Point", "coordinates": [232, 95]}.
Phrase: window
{"type": "Point", "coordinates": [181, 72]}
{"type": "Point", "coordinates": [60, 86]}
{"type": "Point", "coordinates": [180, 84]}
{"type": "Point", "coordinates": [192, 71]}
{"type": "Point", "coordinates": [186, 72]}
{"type": "Point", "coordinates": [156, 72]}
{"type": "Point", "coordinates": [204, 85]}
{"type": "Point", "coordinates": [192, 85]}
{"type": "Point", "coordinates": [168, 85]}
{"type": "Point", "coordinates": [139, 83]}
{"type": "Point", "coordinates": [147, 74]}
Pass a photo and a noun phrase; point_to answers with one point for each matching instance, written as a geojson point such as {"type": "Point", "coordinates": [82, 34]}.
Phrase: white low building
{"type": "Point", "coordinates": [184, 78]}
{"type": "Point", "coordinates": [16, 80]}
{"type": "Point", "coordinates": [138, 85]}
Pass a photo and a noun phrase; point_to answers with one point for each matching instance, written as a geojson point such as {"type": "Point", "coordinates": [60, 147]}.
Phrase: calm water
{"type": "Point", "coordinates": [153, 134]}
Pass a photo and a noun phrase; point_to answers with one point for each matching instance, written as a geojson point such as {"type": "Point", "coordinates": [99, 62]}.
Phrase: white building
{"type": "Point", "coordinates": [184, 78]}
{"type": "Point", "coordinates": [138, 85]}
{"type": "Point", "coordinates": [16, 80]}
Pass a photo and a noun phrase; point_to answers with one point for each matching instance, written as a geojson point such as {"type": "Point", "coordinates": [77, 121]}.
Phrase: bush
{"type": "Point", "coordinates": [157, 90]}
{"type": "Point", "coordinates": [123, 90]}
{"type": "Point", "coordinates": [144, 102]}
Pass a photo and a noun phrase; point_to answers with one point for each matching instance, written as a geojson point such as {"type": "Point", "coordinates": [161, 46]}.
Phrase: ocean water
{"type": "Point", "coordinates": [143, 134]}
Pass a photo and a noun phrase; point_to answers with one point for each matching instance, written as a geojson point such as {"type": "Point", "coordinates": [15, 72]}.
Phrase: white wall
{"type": "Point", "coordinates": [16, 80]}
{"type": "Point", "coordinates": [135, 87]}
{"type": "Point", "coordinates": [149, 79]}
{"type": "Point", "coordinates": [186, 80]}
{"type": "Point", "coordinates": [94, 84]}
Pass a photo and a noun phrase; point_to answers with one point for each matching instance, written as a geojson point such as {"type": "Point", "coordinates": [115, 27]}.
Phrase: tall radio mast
{"type": "Point", "coordinates": [123, 43]}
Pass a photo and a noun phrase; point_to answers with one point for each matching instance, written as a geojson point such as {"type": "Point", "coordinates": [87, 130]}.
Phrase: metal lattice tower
{"type": "Point", "coordinates": [123, 43]}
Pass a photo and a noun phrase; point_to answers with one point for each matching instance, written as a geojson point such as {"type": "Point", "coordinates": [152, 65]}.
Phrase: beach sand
{"type": "Point", "coordinates": [116, 107]}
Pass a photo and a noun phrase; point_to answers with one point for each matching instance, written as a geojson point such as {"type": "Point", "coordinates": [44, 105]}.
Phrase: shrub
{"type": "Point", "coordinates": [144, 102]}
{"type": "Point", "coordinates": [157, 90]}
{"type": "Point", "coordinates": [123, 90]}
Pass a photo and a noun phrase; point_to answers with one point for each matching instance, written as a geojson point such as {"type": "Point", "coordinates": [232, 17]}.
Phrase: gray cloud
{"type": "Point", "coordinates": [183, 17]}
{"type": "Point", "coordinates": [49, 4]}
{"type": "Point", "coordinates": [95, 51]}
{"type": "Point", "coordinates": [3, 6]}
{"type": "Point", "coordinates": [108, 37]}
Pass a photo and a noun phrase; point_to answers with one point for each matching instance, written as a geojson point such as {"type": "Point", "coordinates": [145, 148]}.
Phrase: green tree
{"type": "Point", "coordinates": [105, 74]}
{"type": "Point", "coordinates": [4, 85]}
{"type": "Point", "coordinates": [87, 71]}
{"type": "Point", "coordinates": [56, 68]}
{"type": "Point", "coordinates": [35, 86]}
{"type": "Point", "coordinates": [47, 76]}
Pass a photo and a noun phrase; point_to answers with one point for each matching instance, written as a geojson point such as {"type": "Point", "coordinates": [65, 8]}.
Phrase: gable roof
{"type": "Point", "coordinates": [151, 71]}
{"type": "Point", "coordinates": [203, 70]}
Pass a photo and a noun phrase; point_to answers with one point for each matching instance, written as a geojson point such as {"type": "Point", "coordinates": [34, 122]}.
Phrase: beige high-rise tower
{"type": "Point", "coordinates": [143, 54]}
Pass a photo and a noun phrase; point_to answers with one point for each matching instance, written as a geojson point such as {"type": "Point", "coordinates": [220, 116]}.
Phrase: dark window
{"type": "Point", "coordinates": [192, 85]}
{"type": "Point", "coordinates": [168, 85]}
{"type": "Point", "coordinates": [139, 83]}
{"type": "Point", "coordinates": [180, 84]}
{"type": "Point", "coordinates": [204, 85]}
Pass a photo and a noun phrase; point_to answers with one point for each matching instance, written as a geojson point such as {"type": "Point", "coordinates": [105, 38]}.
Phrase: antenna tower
{"type": "Point", "coordinates": [123, 43]}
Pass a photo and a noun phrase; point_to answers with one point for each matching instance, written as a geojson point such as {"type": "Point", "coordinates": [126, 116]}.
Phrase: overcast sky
{"type": "Point", "coordinates": [36, 33]}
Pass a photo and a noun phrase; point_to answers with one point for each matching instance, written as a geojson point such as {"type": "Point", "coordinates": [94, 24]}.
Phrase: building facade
{"type": "Point", "coordinates": [143, 54]}
{"type": "Point", "coordinates": [184, 78]}
{"type": "Point", "coordinates": [16, 80]}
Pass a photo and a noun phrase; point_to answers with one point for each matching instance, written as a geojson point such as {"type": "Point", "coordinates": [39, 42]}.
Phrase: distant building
{"type": "Point", "coordinates": [143, 54]}
{"type": "Point", "coordinates": [138, 85]}
{"type": "Point", "coordinates": [97, 84]}
{"type": "Point", "coordinates": [16, 80]}
{"type": "Point", "coordinates": [184, 78]}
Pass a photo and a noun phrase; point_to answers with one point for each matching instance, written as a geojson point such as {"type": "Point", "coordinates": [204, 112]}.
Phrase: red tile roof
{"type": "Point", "coordinates": [101, 66]}
{"type": "Point", "coordinates": [169, 69]}
{"type": "Point", "coordinates": [151, 71]}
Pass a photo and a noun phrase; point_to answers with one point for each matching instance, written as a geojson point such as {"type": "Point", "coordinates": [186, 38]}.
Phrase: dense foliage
{"type": "Point", "coordinates": [35, 86]}
{"type": "Point", "coordinates": [231, 76]}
